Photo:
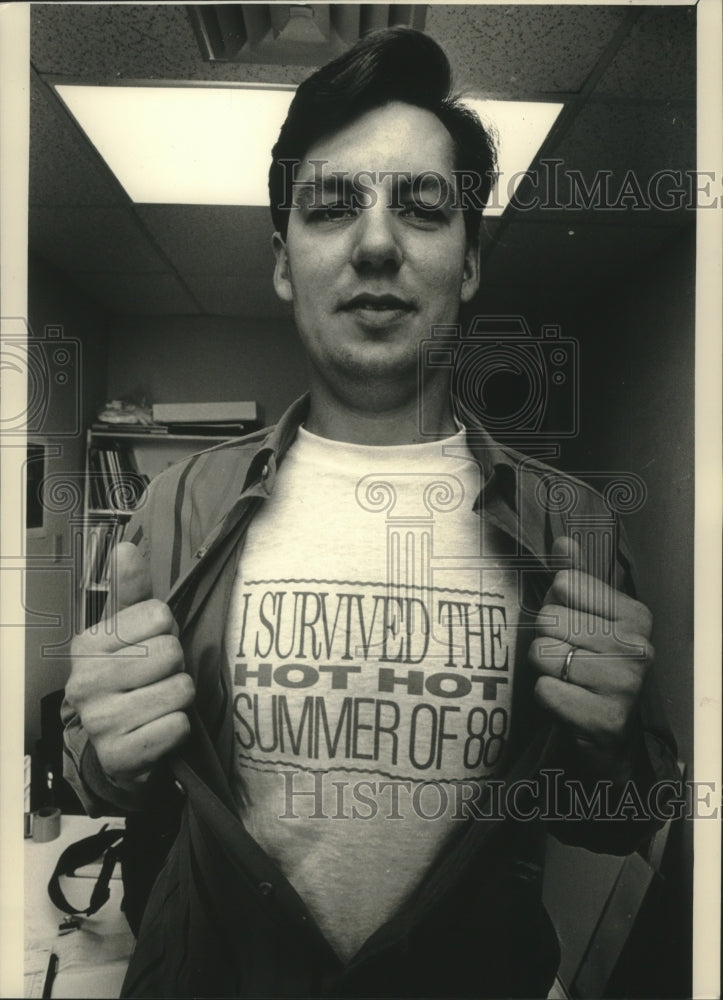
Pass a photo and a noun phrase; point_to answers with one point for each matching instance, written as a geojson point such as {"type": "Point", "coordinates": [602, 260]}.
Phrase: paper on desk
{"type": "Point", "coordinates": [85, 948]}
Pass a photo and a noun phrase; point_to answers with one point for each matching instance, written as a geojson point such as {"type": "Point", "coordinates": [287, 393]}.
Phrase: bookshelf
{"type": "Point", "coordinates": [119, 464]}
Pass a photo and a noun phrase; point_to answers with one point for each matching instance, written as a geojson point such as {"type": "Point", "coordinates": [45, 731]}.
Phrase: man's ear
{"type": "Point", "coordinates": [471, 274]}
{"type": "Point", "coordinates": [282, 272]}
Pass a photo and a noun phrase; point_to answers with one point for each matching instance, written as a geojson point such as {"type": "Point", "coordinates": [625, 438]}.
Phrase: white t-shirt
{"type": "Point", "coordinates": [371, 642]}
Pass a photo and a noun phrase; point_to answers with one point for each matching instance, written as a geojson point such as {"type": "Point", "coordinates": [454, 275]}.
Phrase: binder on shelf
{"type": "Point", "coordinates": [233, 412]}
{"type": "Point", "coordinates": [89, 554]}
{"type": "Point", "coordinates": [100, 538]}
{"type": "Point", "coordinates": [128, 429]}
{"type": "Point", "coordinates": [111, 538]}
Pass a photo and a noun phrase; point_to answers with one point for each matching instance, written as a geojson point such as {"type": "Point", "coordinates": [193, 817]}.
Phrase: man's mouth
{"type": "Point", "coordinates": [367, 302]}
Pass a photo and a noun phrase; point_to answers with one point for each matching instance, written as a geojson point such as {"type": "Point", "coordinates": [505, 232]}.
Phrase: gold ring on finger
{"type": "Point", "coordinates": [565, 672]}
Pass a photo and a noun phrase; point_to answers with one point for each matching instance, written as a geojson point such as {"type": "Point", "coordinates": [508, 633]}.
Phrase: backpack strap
{"type": "Point", "coordinates": [105, 844]}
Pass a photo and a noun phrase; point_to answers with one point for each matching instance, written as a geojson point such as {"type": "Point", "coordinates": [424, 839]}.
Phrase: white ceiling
{"type": "Point", "coordinates": [627, 74]}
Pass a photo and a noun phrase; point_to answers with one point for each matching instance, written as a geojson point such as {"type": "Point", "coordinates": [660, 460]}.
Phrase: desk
{"type": "Point", "coordinates": [92, 960]}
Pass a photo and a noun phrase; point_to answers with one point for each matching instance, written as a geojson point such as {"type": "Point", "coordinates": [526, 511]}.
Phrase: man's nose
{"type": "Point", "coordinates": [376, 244]}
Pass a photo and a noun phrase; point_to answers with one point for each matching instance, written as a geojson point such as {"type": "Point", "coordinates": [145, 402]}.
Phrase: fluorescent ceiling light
{"type": "Point", "coordinates": [522, 127]}
{"type": "Point", "coordinates": [184, 145]}
{"type": "Point", "coordinates": [211, 145]}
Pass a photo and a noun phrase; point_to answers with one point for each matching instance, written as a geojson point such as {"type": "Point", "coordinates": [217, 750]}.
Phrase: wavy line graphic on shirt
{"type": "Point", "coordinates": [379, 583]}
{"type": "Point", "coordinates": [273, 764]}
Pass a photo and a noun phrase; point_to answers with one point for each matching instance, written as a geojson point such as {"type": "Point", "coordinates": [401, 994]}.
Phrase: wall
{"type": "Point", "coordinates": [638, 344]}
{"type": "Point", "coordinates": [194, 359]}
{"type": "Point", "coordinates": [637, 415]}
{"type": "Point", "coordinates": [49, 577]}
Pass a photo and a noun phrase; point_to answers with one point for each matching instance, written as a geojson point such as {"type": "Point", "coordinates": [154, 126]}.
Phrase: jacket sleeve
{"type": "Point", "coordinates": [81, 768]}
{"type": "Point", "coordinates": [611, 818]}
{"type": "Point", "coordinates": [181, 507]}
{"type": "Point", "coordinates": [625, 815]}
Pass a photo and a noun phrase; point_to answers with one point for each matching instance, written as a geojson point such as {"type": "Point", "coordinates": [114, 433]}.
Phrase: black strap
{"type": "Point", "coordinates": [106, 844]}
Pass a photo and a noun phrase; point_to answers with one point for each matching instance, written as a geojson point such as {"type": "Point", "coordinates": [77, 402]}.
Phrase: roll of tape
{"type": "Point", "coordinates": [46, 824]}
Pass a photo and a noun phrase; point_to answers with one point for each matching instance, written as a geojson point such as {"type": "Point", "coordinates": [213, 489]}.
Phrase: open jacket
{"type": "Point", "coordinates": [222, 919]}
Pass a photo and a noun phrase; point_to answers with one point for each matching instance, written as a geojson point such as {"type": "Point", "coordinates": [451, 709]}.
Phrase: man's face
{"type": "Point", "coordinates": [368, 282]}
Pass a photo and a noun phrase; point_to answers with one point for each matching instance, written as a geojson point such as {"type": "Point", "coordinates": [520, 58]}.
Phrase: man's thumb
{"type": "Point", "coordinates": [130, 578]}
{"type": "Point", "coordinates": [566, 547]}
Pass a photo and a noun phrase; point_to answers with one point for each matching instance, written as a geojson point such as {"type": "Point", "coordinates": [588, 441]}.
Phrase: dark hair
{"type": "Point", "coordinates": [394, 64]}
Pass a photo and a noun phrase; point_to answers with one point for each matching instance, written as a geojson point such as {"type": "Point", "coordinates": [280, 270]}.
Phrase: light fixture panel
{"type": "Point", "coordinates": [184, 145]}
{"type": "Point", "coordinates": [212, 145]}
{"type": "Point", "coordinates": [522, 127]}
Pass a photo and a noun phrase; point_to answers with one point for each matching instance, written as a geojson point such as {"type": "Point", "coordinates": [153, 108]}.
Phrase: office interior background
{"type": "Point", "coordinates": [175, 302]}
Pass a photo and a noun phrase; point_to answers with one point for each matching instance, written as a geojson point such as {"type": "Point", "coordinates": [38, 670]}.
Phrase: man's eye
{"type": "Point", "coordinates": [333, 213]}
{"type": "Point", "coordinates": [421, 212]}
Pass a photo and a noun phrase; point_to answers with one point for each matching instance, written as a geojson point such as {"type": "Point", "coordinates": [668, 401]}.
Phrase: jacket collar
{"type": "Point", "coordinates": [490, 455]}
{"type": "Point", "coordinates": [500, 499]}
{"type": "Point", "coordinates": [500, 495]}
{"type": "Point", "coordinates": [262, 468]}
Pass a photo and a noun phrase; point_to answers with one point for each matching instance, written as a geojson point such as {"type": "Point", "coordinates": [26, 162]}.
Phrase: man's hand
{"type": "Point", "coordinates": [127, 682]}
{"type": "Point", "coordinates": [609, 633]}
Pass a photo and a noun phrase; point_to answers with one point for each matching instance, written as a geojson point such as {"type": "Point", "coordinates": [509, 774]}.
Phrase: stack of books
{"type": "Point", "coordinates": [115, 484]}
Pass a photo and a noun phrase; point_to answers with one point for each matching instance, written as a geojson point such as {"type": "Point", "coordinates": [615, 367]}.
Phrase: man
{"type": "Point", "coordinates": [341, 636]}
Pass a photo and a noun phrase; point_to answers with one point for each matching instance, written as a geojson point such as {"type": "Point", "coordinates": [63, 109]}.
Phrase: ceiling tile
{"type": "Point", "coordinates": [621, 137]}
{"type": "Point", "coordinates": [537, 261]}
{"type": "Point", "coordinates": [138, 294]}
{"type": "Point", "coordinates": [226, 240]}
{"type": "Point", "coordinates": [110, 40]}
{"type": "Point", "coordinates": [64, 170]}
{"type": "Point", "coordinates": [525, 50]}
{"type": "Point", "coordinates": [228, 262]}
{"type": "Point", "coordinates": [657, 60]}
{"type": "Point", "coordinates": [517, 51]}
{"type": "Point", "coordinates": [94, 239]}
{"type": "Point", "coordinates": [153, 41]}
